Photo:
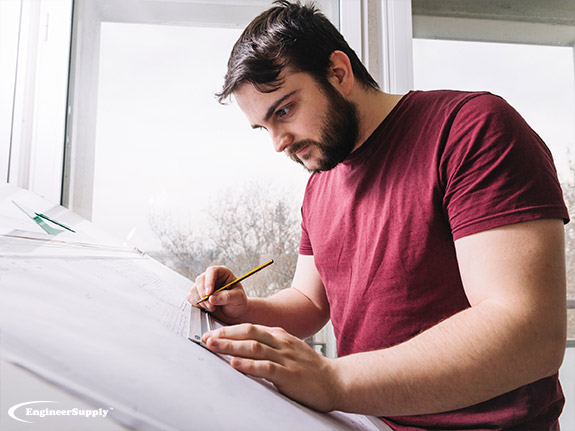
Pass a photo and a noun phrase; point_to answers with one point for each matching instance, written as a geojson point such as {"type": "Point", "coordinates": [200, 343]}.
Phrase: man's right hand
{"type": "Point", "coordinates": [228, 305]}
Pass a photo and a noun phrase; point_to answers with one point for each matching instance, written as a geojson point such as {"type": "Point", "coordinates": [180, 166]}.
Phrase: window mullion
{"type": "Point", "coordinates": [379, 31]}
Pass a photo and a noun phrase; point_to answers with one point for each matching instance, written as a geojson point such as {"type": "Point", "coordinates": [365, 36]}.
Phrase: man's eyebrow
{"type": "Point", "coordinates": [274, 106]}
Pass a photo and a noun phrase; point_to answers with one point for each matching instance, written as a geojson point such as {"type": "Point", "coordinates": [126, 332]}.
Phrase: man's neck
{"type": "Point", "coordinates": [373, 107]}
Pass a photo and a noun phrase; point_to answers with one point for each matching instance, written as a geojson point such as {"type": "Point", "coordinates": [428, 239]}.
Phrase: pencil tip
{"type": "Point", "coordinates": [202, 300]}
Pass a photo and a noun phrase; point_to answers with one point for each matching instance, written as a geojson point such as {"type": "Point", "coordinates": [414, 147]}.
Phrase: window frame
{"type": "Point", "coordinates": [51, 97]}
{"type": "Point", "coordinates": [78, 176]}
{"type": "Point", "coordinates": [380, 32]}
{"type": "Point", "coordinates": [39, 100]}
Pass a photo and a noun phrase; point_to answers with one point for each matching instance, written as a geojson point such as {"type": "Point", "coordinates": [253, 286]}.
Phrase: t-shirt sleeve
{"type": "Point", "coordinates": [495, 170]}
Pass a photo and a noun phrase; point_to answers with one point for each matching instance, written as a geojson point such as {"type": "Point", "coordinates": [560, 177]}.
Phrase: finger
{"type": "Point", "coordinates": [264, 369]}
{"type": "Point", "coordinates": [206, 305]}
{"type": "Point", "coordinates": [196, 293]}
{"type": "Point", "coordinates": [193, 294]}
{"type": "Point", "coordinates": [190, 297]}
{"type": "Point", "coordinates": [231, 297]}
{"type": "Point", "coordinates": [248, 331]}
{"type": "Point", "coordinates": [209, 280]}
{"type": "Point", "coordinates": [197, 289]}
{"type": "Point", "coordinates": [250, 349]}
{"type": "Point", "coordinates": [216, 276]}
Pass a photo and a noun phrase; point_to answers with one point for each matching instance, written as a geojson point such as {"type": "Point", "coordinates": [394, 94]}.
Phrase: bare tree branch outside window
{"type": "Point", "coordinates": [243, 230]}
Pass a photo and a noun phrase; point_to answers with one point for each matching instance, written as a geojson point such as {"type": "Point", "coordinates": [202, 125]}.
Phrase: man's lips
{"type": "Point", "coordinates": [301, 152]}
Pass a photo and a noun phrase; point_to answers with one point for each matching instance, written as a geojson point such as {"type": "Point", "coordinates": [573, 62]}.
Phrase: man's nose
{"type": "Point", "coordinates": [281, 140]}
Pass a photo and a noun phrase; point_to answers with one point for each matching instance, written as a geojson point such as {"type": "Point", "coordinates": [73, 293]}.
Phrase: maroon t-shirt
{"type": "Point", "coordinates": [381, 227]}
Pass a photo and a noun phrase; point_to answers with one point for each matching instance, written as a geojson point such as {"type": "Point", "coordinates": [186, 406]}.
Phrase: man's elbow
{"type": "Point", "coordinates": [541, 334]}
{"type": "Point", "coordinates": [552, 349]}
{"type": "Point", "coordinates": [556, 355]}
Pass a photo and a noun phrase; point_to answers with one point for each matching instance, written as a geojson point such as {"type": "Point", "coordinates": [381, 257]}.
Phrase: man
{"type": "Point", "coordinates": [432, 235]}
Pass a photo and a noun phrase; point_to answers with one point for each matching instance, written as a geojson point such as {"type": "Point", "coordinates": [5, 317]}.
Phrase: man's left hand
{"type": "Point", "coordinates": [281, 358]}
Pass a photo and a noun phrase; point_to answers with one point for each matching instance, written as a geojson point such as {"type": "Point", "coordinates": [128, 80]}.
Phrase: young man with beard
{"type": "Point", "coordinates": [432, 235]}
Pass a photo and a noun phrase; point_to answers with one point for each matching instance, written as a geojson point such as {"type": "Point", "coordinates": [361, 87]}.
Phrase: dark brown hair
{"type": "Point", "coordinates": [288, 34]}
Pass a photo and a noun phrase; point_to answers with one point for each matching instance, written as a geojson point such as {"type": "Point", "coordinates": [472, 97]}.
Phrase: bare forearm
{"type": "Point", "coordinates": [289, 309]}
{"type": "Point", "coordinates": [471, 357]}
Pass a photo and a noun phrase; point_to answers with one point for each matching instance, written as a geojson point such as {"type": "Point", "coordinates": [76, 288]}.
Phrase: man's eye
{"type": "Point", "coordinates": [283, 112]}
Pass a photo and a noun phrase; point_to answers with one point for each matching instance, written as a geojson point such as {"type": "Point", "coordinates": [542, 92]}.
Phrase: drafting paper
{"type": "Point", "coordinates": [110, 325]}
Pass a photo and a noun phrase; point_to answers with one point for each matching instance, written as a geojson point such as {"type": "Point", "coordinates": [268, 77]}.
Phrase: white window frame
{"type": "Point", "coordinates": [380, 32]}
{"type": "Point", "coordinates": [39, 110]}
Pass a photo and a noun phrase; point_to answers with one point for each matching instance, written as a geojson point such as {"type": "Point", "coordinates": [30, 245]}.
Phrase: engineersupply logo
{"type": "Point", "coordinates": [21, 410]}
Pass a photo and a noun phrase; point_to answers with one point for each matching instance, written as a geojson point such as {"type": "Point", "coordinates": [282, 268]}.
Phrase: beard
{"type": "Point", "coordinates": [339, 132]}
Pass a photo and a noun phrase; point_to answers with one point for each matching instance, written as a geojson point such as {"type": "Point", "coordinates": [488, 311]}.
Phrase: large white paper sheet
{"type": "Point", "coordinates": [110, 325]}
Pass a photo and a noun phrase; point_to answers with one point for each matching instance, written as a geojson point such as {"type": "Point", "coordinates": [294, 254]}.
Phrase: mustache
{"type": "Point", "coordinates": [295, 147]}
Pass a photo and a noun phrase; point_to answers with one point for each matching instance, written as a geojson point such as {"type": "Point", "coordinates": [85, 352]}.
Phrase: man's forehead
{"type": "Point", "coordinates": [246, 89]}
{"type": "Point", "coordinates": [286, 80]}
{"type": "Point", "coordinates": [251, 100]}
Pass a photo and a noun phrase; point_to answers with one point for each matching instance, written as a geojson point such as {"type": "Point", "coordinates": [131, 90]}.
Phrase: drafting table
{"type": "Point", "coordinates": [108, 324]}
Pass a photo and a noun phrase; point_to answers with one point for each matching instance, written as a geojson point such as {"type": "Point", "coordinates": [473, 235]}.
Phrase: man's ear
{"type": "Point", "coordinates": [341, 74]}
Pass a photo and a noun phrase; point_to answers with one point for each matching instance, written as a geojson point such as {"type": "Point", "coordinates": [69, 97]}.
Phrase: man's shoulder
{"type": "Point", "coordinates": [468, 107]}
{"type": "Point", "coordinates": [446, 98]}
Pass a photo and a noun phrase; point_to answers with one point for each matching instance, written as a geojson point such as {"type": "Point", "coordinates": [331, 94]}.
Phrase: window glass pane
{"type": "Point", "coordinates": [538, 81]}
{"type": "Point", "coordinates": [172, 163]}
{"type": "Point", "coordinates": [154, 159]}
{"type": "Point", "coordinates": [157, 161]}
{"type": "Point", "coordinates": [163, 142]}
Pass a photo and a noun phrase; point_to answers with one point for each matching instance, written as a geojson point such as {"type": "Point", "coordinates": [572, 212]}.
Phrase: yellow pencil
{"type": "Point", "coordinates": [237, 280]}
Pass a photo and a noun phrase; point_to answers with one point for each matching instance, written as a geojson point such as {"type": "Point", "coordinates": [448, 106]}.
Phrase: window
{"type": "Point", "coordinates": [157, 135]}
{"type": "Point", "coordinates": [34, 60]}
{"type": "Point", "coordinates": [154, 159]}
{"type": "Point", "coordinates": [538, 81]}
{"type": "Point", "coordinates": [523, 52]}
